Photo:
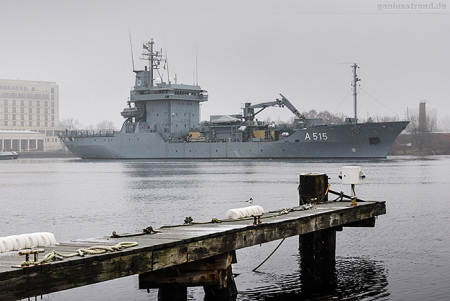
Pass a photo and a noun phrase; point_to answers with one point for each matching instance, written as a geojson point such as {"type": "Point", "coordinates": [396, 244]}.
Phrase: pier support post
{"type": "Point", "coordinates": [173, 292]}
{"type": "Point", "coordinates": [213, 273]}
{"type": "Point", "coordinates": [317, 249]}
{"type": "Point", "coordinates": [227, 292]}
{"type": "Point", "coordinates": [318, 261]}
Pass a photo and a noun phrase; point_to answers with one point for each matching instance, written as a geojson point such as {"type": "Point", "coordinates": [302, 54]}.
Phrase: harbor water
{"type": "Point", "coordinates": [406, 256]}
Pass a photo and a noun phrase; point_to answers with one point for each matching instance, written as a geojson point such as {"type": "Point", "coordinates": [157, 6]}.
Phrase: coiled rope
{"type": "Point", "coordinates": [54, 255]}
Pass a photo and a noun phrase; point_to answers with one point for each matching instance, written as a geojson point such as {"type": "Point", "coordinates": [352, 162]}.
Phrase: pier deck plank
{"type": "Point", "coordinates": [168, 247]}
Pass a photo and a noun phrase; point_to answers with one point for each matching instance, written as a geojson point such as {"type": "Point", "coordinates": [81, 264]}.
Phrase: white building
{"type": "Point", "coordinates": [29, 115]}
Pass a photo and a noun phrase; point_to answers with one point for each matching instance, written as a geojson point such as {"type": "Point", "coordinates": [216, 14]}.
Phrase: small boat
{"type": "Point", "coordinates": [4, 155]}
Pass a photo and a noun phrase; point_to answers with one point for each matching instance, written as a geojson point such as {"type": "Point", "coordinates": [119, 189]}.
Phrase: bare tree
{"type": "Point", "coordinates": [422, 135]}
{"type": "Point", "coordinates": [70, 124]}
{"type": "Point", "coordinates": [326, 116]}
{"type": "Point", "coordinates": [106, 125]}
{"type": "Point", "coordinates": [444, 124]}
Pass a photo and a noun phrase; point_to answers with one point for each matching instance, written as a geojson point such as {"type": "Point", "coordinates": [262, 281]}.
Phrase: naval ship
{"type": "Point", "coordinates": [162, 121]}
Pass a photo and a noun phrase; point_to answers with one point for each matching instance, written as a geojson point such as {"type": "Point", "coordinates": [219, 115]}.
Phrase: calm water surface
{"type": "Point", "coordinates": [405, 257]}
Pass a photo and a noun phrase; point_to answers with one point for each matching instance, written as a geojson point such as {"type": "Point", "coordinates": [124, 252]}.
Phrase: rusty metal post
{"type": "Point", "coordinates": [312, 188]}
{"type": "Point", "coordinates": [317, 249]}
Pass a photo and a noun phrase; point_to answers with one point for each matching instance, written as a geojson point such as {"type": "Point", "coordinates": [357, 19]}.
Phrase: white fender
{"type": "Point", "coordinates": [47, 238]}
{"type": "Point", "coordinates": [31, 240]}
{"type": "Point", "coordinates": [7, 244]}
{"type": "Point", "coordinates": [244, 212]}
{"type": "Point", "coordinates": [18, 242]}
{"type": "Point", "coordinates": [26, 241]}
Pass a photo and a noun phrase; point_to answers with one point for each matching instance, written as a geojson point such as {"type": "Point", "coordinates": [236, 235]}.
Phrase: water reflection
{"type": "Point", "coordinates": [357, 278]}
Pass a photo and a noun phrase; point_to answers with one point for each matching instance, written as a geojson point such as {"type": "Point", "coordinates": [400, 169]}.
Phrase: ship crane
{"type": "Point", "coordinates": [249, 109]}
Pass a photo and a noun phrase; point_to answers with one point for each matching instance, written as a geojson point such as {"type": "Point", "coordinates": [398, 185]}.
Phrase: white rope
{"type": "Point", "coordinates": [54, 255]}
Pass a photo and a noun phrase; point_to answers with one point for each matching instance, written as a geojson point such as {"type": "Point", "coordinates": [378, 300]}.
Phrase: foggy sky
{"type": "Point", "coordinates": [247, 51]}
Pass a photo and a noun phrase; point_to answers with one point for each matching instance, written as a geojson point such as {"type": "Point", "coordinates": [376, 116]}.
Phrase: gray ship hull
{"type": "Point", "coordinates": [365, 140]}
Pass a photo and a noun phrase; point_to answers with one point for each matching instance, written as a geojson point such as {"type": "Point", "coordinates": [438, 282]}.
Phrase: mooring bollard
{"type": "Point", "coordinates": [312, 188]}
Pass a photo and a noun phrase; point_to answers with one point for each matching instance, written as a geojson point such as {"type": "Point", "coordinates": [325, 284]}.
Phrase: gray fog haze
{"type": "Point", "coordinates": [247, 51]}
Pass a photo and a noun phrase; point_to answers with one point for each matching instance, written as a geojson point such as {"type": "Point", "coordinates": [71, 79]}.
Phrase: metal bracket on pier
{"type": "Point", "coordinates": [148, 230]}
{"type": "Point", "coordinates": [257, 220]}
{"type": "Point", "coordinates": [27, 258]}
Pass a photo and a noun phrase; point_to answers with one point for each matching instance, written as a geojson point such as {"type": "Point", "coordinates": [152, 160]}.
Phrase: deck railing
{"type": "Point", "coordinates": [86, 133]}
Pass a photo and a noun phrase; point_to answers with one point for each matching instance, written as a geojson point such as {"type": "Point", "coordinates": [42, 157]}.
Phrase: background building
{"type": "Point", "coordinates": [29, 115]}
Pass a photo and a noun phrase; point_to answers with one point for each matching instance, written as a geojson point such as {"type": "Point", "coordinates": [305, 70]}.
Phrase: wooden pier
{"type": "Point", "coordinates": [196, 254]}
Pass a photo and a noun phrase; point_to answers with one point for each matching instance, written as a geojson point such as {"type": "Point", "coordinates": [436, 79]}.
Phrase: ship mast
{"type": "Point", "coordinates": [154, 59]}
{"type": "Point", "coordinates": [355, 81]}
{"type": "Point", "coordinates": [151, 62]}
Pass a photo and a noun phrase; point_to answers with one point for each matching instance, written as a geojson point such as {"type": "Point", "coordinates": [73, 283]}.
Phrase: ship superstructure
{"type": "Point", "coordinates": [162, 120]}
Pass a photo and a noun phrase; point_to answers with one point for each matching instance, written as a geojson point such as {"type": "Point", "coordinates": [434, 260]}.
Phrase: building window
{"type": "Point", "coordinates": [30, 123]}
{"type": "Point", "coordinates": [30, 117]}
{"type": "Point", "coordinates": [30, 110]}
{"type": "Point", "coordinates": [6, 102]}
{"type": "Point", "coordinates": [5, 123]}
{"type": "Point", "coordinates": [38, 103]}
{"type": "Point", "coordinates": [30, 103]}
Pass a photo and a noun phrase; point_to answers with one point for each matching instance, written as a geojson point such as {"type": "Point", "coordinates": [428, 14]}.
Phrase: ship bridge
{"type": "Point", "coordinates": [167, 108]}
{"type": "Point", "coordinates": [165, 91]}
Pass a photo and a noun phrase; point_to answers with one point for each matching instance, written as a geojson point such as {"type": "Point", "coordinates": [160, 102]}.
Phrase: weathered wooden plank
{"type": "Point", "coordinates": [35, 281]}
{"type": "Point", "coordinates": [211, 271]}
{"type": "Point", "coordinates": [171, 247]}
